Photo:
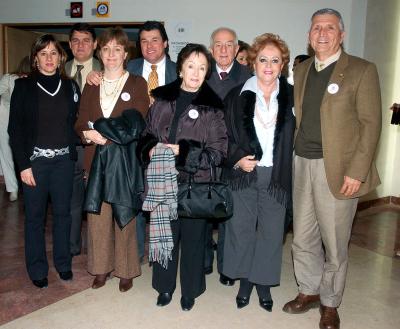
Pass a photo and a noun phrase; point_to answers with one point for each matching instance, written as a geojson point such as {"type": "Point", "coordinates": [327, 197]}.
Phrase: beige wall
{"type": "Point", "coordinates": [382, 46]}
{"type": "Point", "coordinates": [288, 18]}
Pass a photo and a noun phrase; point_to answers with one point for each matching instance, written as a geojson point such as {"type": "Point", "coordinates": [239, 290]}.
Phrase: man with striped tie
{"type": "Point", "coordinates": [82, 41]}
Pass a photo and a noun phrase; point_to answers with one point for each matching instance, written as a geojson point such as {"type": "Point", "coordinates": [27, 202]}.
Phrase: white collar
{"type": "Point", "coordinates": [89, 61]}
{"type": "Point", "coordinates": [252, 85]}
{"type": "Point", "coordinates": [328, 61]}
{"type": "Point", "coordinates": [219, 70]}
{"type": "Point", "coordinates": [159, 64]}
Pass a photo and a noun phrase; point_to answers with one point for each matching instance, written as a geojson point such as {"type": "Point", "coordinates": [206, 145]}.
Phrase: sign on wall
{"type": "Point", "coordinates": [103, 8]}
{"type": "Point", "coordinates": [76, 10]}
{"type": "Point", "coordinates": [180, 32]}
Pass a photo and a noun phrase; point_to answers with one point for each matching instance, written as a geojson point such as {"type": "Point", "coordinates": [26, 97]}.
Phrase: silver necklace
{"type": "Point", "coordinates": [270, 123]}
{"type": "Point", "coordinates": [48, 92]}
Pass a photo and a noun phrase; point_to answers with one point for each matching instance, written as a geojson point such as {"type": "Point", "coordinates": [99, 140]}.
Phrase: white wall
{"type": "Point", "coordinates": [288, 18]}
{"type": "Point", "coordinates": [382, 46]}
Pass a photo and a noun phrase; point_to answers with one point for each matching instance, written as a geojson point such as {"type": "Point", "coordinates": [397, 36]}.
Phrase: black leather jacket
{"type": "Point", "coordinates": [116, 176]}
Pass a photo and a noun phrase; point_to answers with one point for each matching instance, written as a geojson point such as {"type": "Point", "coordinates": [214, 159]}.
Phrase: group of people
{"type": "Point", "coordinates": [135, 117]}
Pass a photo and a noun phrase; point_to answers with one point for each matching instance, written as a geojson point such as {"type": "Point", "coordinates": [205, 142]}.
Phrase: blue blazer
{"type": "Point", "coordinates": [135, 66]}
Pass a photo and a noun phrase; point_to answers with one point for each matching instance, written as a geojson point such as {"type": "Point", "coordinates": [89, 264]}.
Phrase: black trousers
{"type": "Point", "coordinates": [209, 249]}
{"type": "Point", "coordinates": [78, 196]}
{"type": "Point", "coordinates": [190, 235]}
{"type": "Point", "coordinates": [53, 179]}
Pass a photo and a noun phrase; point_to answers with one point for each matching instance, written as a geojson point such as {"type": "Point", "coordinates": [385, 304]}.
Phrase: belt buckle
{"type": "Point", "coordinates": [48, 153]}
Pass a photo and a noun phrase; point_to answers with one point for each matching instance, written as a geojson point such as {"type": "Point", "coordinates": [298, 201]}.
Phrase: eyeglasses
{"type": "Point", "coordinates": [271, 60]}
{"type": "Point", "coordinates": [228, 44]}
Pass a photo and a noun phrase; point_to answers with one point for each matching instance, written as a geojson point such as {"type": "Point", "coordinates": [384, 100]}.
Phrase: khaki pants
{"type": "Point", "coordinates": [110, 248]}
{"type": "Point", "coordinates": [320, 220]}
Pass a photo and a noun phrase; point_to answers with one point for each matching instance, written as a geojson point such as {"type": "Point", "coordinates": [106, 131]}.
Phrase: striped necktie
{"type": "Point", "coordinates": [152, 82]}
{"type": "Point", "coordinates": [78, 76]}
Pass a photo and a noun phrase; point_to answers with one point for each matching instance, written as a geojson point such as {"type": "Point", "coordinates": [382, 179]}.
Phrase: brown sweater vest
{"type": "Point", "coordinates": [309, 141]}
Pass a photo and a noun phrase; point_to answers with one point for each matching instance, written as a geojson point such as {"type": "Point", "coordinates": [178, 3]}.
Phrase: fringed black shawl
{"type": "Point", "coordinates": [243, 141]}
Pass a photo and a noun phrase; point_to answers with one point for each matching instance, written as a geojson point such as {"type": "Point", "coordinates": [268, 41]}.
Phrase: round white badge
{"type": "Point", "coordinates": [333, 88]}
{"type": "Point", "coordinates": [76, 97]}
{"type": "Point", "coordinates": [193, 114]}
{"type": "Point", "coordinates": [125, 96]}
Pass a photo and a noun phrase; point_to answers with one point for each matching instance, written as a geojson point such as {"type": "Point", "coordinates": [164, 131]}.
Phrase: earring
{"type": "Point", "coordinates": [180, 75]}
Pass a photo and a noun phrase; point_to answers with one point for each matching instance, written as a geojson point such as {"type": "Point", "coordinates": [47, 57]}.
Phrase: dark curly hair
{"type": "Point", "coordinates": [189, 49]}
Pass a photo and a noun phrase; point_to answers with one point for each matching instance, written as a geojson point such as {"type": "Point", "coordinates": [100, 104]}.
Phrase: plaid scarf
{"type": "Point", "coordinates": [162, 201]}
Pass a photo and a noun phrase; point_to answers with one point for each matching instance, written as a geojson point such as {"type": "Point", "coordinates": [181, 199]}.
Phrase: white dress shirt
{"type": "Point", "coordinates": [321, 65]}
{"type": "Point", "coordinates": [268, 113]}
{"type": "Point", "coordinates": [219, 70]}
{"type": "Point", "coordinates": [160, 71]}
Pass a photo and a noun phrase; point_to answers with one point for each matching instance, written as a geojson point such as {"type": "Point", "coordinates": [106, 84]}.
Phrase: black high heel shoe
{"type": "Point", "coordinates": [42, 283]}
{"type": "Point", "coordinates": [242, 301]}
{"type": "Point", "coordinates": [187, 303]}
{"type": "Point", "coordinates": [266, 304]}
{"type": "Point", "coordinates": [164, 298]}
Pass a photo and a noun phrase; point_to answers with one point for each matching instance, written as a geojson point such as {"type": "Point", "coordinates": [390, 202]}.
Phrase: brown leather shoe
{"type": "Point", "coordinates": [125, 284]}
{"type": "Point", "coordinates": [329, 318]}
{"type": "Point", "coordinates": [301, 304]}
{"type": "Point", "coordinates": [99, 281]}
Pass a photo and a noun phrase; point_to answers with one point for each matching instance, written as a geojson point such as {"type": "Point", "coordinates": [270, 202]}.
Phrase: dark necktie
{"type": "Point", "coordinates": [223, 75]}
{"type": "Point", "coordinates": [78, 76]}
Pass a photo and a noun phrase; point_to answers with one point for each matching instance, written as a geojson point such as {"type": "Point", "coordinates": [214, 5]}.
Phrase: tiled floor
{"type": "Point", "coordinates": [371, 299]}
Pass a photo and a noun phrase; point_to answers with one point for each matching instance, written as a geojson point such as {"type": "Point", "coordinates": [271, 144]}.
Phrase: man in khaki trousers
{"type": "Point", "coordinates": [338, 123]}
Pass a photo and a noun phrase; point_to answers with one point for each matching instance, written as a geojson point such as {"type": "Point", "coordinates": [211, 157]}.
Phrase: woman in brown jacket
{"type": "Point", "coordinates": [109, 247]}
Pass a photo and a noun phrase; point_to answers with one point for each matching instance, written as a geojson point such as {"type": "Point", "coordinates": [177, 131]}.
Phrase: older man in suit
{"type": "Point", "coordinates": [338, 121]}
{"type": "Point", "coordinates": [226, 73]}
{"type": "Point", "coordinates": [82, 41]}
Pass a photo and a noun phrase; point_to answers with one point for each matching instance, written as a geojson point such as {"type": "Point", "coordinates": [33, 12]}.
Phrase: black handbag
{"type": "Point", "coordinates": [206, 200]}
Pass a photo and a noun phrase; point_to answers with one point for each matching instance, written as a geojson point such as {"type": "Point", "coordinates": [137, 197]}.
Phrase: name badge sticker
{"type": "Point", "coordinates": [193, 114]}
{"type": "Point", "coordinates": [125, 96]}
{"type": "Point", "coordinates": [333, 88]}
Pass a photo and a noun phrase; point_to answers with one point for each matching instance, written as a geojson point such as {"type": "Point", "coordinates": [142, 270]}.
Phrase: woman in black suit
{"type": "Point", "coordinates": [43, 112]}
{"type": "Point", "coordinates": [260, 126]}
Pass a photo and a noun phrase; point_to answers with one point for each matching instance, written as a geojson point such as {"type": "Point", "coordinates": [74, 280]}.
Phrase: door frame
{"type": "Point", "coordinates": [33, 26]}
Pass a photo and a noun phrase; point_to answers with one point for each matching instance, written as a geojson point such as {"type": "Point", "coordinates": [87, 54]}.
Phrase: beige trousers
{"type": "Point", "coordinates": [110, 248]}
{"type": "Point", "coordinates": [322, 226]}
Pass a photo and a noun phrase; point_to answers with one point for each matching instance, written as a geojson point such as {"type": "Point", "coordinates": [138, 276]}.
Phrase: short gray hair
{"type": "Point", "coordinates": [220, 29]}
{"type": "Point", "coordinates": [330, 11]}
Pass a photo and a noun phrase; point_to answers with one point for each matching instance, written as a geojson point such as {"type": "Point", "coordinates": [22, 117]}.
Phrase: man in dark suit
{"type": "Point", "coordinates": [82, 41]}
{"type": "Point", "coordinates": [153, 41]}
{"type": "Point", "coordinates": [226, 74]}
{"type": "Point", "coordinates": [338, 122]}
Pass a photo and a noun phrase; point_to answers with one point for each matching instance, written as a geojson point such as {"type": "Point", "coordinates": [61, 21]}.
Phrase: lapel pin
{"type": "Point", "coordinates": [125, 96]}
{"type": "Point", "coordinates": [193, 114]}
{"type": "Point", "coordinates": [333, 88]}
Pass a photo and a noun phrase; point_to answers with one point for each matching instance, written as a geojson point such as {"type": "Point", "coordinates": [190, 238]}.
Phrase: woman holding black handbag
{"type": "Point", "coordinates": [260, 127]}
{"type": "Point", "coordinates": [186, 116]}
